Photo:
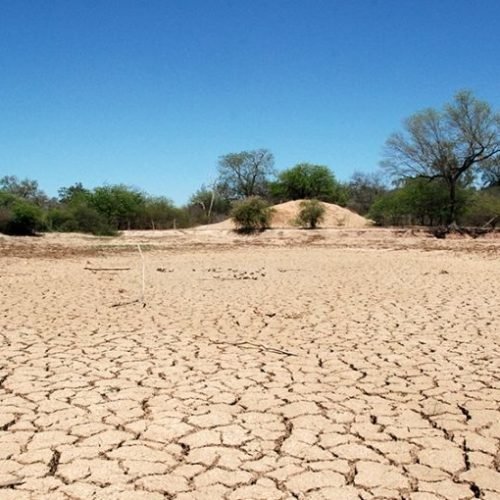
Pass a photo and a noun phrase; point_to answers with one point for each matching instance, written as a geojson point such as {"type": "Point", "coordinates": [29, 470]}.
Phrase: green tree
{"type": "Point", "coordinates": [73, 193]}
{"type": "Point", "coordinates": [161, 213]}
{"type": "Point", "coordinates": [120, 205]}
{"type": "Point", "coordinates": [245, 174]}
{"type": "Point", "coordinates": [307, 181]}
{"type": "Point", "coordinates": [388, 209]}
{"type": "Point", "coordinates": [417, 201]}
{"type": "Point", "coordinates": [446, 144]}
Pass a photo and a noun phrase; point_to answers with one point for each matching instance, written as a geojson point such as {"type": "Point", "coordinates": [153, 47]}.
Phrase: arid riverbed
{"type": "Point", "coordinates": [293, 364]}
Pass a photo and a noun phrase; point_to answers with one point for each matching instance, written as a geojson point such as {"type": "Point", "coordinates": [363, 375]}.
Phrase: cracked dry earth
{"type": "Point", "coordinates": [251, 373]}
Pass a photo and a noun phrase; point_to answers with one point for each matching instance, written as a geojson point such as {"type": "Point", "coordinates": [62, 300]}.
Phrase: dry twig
{"type": "Point", "coordinates": [106, 269]}
{"type": "Point", "coordinates": [262, 347]}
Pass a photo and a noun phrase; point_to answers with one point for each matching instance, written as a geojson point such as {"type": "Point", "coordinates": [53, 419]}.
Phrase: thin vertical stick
{"type": "Point", "coordinates": [143, 275]}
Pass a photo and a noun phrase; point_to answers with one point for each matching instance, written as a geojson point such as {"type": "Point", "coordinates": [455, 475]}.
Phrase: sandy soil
{"type": "Point", "coordinates": [289, 365]}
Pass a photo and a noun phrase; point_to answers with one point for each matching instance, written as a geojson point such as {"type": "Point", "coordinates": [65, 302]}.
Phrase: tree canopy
{"type": "Point", "coordinates": [445, 144]}
{"type": "Point", "coordinates": [417, 201]}
{"type": "Point", "coordinates": [245, 174]}
{"type": "Point", "coordinates": [307, 181]}
{"type": "Point", "coordinates": [27, 189]}
{"type": "Point", "coordinates": [491, 174]}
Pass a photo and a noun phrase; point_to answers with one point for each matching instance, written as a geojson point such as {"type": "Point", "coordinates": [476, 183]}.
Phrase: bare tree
{"type": "Point", "coordinates": [245, 174]}
{"type": "Point", "coordinates": [491, 173]}
{"type": "Point", "coordinates": [447, 144]}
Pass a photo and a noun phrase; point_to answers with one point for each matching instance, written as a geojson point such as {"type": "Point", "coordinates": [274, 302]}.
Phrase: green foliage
{"type": "Point", "coordinates": [447, 144]}
{"type": "Point", "coordinates": [108, 209]}
{"type": "Point", "coordinates": [252, 214]}
{"type": "Point", "coordinates": [73, 194]}
{"type": "Point", "coordinates": [7, 200]}
{"type": "Point", "coordinates": [311, 213]}
{"type": "Point", "coordinates": [419, 201]}
{"type": "Point", "coordinates": [484, 209]}
{"type": "Point", "coordinates": [19, 216]}
{"type": "Point", "coordinates": [160, 213]}
{"type": "Point", "coordinates": [80, 218]}
{"type": "Point", "coordinates": [306, 181]}
{"type": "Point", "coordinates": [120, 205]}
{"type": "Point", "coordinates": [207, 206]}
{"type": "Point", "coordinates": [26, 189]}
{"type": "Point", "coordinates": [27, 219]}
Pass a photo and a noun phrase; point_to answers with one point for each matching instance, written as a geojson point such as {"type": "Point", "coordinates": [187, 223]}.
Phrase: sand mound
{"type": "Point", "coordinates": [285, 214]}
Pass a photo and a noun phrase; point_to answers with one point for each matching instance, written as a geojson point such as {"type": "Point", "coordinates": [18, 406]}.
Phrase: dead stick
{"type": "Point", "coordinates": [107, 268]}
{"type": "Point", "coordinates": [259, 346]}
{"type": "Point", "coordinates": [489, 222]}
{"type": "Point", "coordinates": [143, 275]}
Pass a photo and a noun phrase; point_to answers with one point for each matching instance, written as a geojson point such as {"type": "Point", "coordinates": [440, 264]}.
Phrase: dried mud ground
{"type": "Point", "coordinates": [289, 365]}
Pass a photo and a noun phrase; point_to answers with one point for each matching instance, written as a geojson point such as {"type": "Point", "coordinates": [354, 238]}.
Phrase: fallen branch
{"type": "Point", "coordinates": [120, 304]}
{"type": "Point", "coordinates": [107, 268]}
{"type": "Point", "coordinates": [493, 219]}
{"type": "Point", "coordinates": [262, 347]}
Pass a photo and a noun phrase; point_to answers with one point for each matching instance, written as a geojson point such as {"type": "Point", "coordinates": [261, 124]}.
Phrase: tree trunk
{"type": "Point", "coordinates": [452, 212]}
{"type": "Point", "coordinates": [212, 198]}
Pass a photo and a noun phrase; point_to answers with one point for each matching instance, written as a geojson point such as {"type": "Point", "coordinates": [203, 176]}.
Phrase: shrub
{"type": "Point", "coordinates": [87, 219]}
{"type": "Point", "coordinates": [311, 213]}
{"type": "Point", "coordinates": [79, 218]}
{"type": "Point", "coordinates": [252, 214]}
{"type": "Point", "coordinates": [484, 210]}
{"type": "Point", "coordinates": [25, 219]}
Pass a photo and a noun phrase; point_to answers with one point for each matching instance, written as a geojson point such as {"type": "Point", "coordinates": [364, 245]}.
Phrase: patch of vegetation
{"type": "Point", "coordinates": [251, 215]}
{"type": "Point", "coordinates": [307, 181]}
{"type": "Point", "coordinates": [311, 213]}
{"type": "Point", "coordinates": [19, 217]}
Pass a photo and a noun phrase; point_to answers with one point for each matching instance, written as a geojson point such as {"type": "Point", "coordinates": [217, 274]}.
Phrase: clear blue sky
{"type": "Point", "coordinates": [151, 92]}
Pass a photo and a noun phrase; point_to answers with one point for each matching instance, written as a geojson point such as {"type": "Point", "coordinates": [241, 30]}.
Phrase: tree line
{"type": "Point", "coordinates": [442, 169]}
{"type": "Point", "coordinates": [105, 210]}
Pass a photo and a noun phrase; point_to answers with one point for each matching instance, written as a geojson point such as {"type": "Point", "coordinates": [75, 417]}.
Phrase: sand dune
{"type": "Point", "coordinates": [286, 213]}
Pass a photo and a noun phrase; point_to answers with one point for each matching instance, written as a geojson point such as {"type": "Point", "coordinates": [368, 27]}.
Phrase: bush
{"type": "Point", "coordinates": [311, 213]}
{"type": "Point", "coordinates": [484, 210]}
{"type": "Point", "coordinates": [79, 218]}
{"type": "Point", "coordinates": [252, 214]}
{"type": "Point", "coordinates": [23, 219]}
{"type": "Point", "coordinates": [87, 219]}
